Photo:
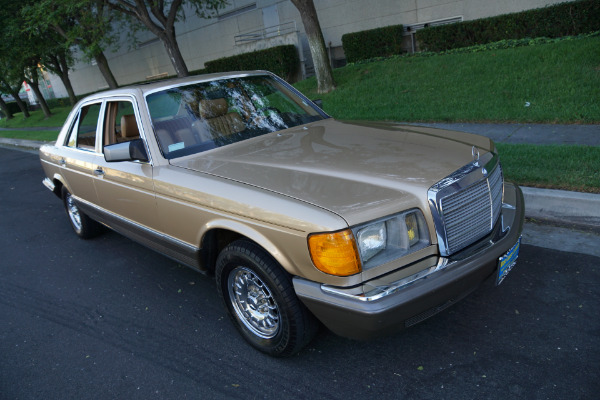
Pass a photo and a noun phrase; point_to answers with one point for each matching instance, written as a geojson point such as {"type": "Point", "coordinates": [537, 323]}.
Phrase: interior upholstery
{"type": "Point", "coordinates": [165, 138]}
{"type": "Point", "coordinates": [215, 113]}
{"type": "Point", "coordinates": [186, 136]}
{"type": "Point", "coordinates": [129, 128]}
{"type": "Point", "coordinates": [213, 108]}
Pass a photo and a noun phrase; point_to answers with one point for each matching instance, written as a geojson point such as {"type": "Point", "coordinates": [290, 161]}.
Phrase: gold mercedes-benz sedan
{"type": "Point", "coordinates": [366, 227]}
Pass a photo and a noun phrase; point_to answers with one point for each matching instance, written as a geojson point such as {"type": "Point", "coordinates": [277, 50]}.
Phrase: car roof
{"type": "Point", "coordinates": [153, 86]}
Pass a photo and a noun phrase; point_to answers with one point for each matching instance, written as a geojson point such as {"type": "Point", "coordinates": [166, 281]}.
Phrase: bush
{"type": "Point", "coordinates": [380, 42]}
{"type": "Point", "coordinates": [281, 60]}
{"type": "Point", "coordinates": [564, 19]}
{"type": "Point", "coordinates": [60, 102]}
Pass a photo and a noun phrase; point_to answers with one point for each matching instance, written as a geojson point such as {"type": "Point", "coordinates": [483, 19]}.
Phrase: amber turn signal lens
{"type": "Point", "coordinates": [335, 253]}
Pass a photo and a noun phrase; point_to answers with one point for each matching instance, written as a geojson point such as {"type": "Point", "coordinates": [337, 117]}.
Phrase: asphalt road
{"type": "Point", "coordinates": [109, 319]}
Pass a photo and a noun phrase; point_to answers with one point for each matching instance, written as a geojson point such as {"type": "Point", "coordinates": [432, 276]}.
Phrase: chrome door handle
{"type": "Point", "coordinates": [98, 172]}
{"type": "Point", "coordinates": [62, 162]}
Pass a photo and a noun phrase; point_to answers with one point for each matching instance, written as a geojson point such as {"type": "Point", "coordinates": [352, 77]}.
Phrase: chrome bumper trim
{"type": "Point", "coordinates": [444, 263]}
{"type": "Point", "coordinates": [49, 184]}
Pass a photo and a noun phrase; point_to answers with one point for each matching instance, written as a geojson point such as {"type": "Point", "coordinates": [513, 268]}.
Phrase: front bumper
{"type": "Point", "coordinates": [401, 304]}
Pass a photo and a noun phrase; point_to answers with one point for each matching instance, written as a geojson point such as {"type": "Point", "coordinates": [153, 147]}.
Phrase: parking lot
{"type": "Point", "coordinates": [108, 318]}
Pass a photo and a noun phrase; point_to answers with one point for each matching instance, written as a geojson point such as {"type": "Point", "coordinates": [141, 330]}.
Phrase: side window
{"type": "Point", "coordinates": [120, 123]}
{"type": "Point", "coordinates": [83, 135]}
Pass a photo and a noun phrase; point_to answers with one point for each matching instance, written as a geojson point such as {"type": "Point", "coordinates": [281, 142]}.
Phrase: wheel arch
{"type": "Point", "coordinates": [59, 183]}
{"type": "Point", "coordinates": [219, 233]}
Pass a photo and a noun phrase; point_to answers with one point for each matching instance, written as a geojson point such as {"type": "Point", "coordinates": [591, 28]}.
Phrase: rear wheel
{"type": "Point", "coordinates": [261, 301]}
{"type": "Point", "coordinates": [84, 226]}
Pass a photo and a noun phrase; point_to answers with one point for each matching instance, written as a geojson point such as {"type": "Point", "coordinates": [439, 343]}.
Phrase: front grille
{"type": "Point", "coordinates": [467, 205]}
{"type": "Point", "coordinates": [471, 213]}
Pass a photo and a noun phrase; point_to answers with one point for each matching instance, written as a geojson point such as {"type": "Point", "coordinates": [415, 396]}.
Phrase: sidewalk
{"type": "Point", "coordinates": [558, 206]}
{"type": "Point", "coordinates": [585, 135]}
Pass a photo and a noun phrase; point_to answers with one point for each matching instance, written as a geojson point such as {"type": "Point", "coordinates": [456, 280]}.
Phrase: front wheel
{"type": "Point", "coordinates": [261, 301]}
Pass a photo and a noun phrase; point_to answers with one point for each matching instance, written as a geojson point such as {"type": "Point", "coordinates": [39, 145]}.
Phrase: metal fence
{"type": "Point", "coordinates": [265, 33]}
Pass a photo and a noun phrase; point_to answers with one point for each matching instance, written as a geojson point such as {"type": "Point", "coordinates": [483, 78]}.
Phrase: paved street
{"type": "Point", "coordinates": [107, 318]}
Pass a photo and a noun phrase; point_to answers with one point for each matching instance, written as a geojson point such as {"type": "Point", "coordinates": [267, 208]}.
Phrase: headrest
{"type": "Point", "coordinates": [213, 108]}
{"type": "Point", "coordinates": [129, 127]}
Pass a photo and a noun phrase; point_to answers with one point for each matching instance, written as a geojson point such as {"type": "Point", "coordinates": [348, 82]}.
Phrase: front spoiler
{"type": "Point", "coordinates": [358, 318]}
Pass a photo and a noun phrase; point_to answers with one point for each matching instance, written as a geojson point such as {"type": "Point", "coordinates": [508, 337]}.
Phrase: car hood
{"type": "Point", "coordinates": [360, 171]}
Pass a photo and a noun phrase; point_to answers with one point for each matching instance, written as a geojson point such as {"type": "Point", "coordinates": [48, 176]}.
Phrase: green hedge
{"type": "Point", "coordinates": [380, 42]}
{"type": "Point", "coordinates": [13, 107]}
{"type": "Point", "coordinates": [281, 60]}
{"type": "Point", "coordinates": [564, 19]}
{"type": "Point", "coordinates": [61, 102]}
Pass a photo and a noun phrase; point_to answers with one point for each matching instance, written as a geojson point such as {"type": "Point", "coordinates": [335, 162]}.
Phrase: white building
{"type": "Point", "coordinates": [247, 25]}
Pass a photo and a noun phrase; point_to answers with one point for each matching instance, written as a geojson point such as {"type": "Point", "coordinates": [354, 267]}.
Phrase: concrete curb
{"type": "Point", "coordinates": [563, 206]}
{"type": "Point", "coordinates": [573, 208]}
{"type": "Point", "coordinates": [25, 144]}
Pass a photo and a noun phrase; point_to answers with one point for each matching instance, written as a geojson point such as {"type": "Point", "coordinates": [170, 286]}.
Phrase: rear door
{"type": "Point", "coordinates": [79, 156]}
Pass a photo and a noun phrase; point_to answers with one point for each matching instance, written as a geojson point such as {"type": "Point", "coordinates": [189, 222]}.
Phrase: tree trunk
{"type": "Point", "coordinates": [64, 77]}
{"type": "Point", "coordinates": [57, 63]}
{"type": "Point", "coordinates": [22, 106]}
{"type": "Point", "coordinates": [5, 109]}
{"type": "Point", "coordinates": [169, 40]}
{"type": "Point", "coordinates": [33, 84]}
{"type": "Point", "coordinates": [105, 70]}
{"type": "Point", "coordinates": [308, 13]}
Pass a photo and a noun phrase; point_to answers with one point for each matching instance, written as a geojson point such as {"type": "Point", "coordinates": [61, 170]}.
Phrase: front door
{"type": "Point", "coordinates": [125, 188]}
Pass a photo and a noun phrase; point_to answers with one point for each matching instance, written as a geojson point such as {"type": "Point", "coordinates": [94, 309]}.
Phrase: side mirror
{"type": "Point", "coordinates": [133, 150]}
{"type": "Point", "coordinates": [318, 102]}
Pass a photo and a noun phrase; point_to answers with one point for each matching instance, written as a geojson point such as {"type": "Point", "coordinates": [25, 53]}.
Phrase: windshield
{"type": "Point", "coordinates": [202, 116]}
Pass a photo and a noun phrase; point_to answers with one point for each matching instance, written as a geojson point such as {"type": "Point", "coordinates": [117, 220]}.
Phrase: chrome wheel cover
{"type": "Point", "coordinates": [253, 302]}
{"type": "Point", "coordinates": [73, 212]}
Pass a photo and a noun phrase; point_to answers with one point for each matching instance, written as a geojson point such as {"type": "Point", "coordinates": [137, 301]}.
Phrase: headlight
{"type": "Point", "coordinates": [371, 240]}
{"type": "Point", "coordinates": [350, 251]}
{"type": "Point", "coordinates": [385, 240]}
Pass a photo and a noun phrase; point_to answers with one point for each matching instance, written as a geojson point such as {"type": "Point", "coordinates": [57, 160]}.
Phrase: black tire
{"type": "Point", "coordinates": [274, 320]}
{"type": "Point", "coordinates": [84, 226]}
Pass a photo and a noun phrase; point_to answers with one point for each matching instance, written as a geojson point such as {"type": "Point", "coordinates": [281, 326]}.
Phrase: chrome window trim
{"type": "Point", "coordinates": [201, 79]}
{"type": "Point", "coordinates": [136, 110]}
{"type": "Point", "coordinates": [459, 180]}
{"type": "Point", "coordinates": [74, 127]}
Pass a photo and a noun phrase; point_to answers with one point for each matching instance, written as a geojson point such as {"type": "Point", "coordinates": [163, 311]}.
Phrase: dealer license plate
{"type": "Point", "coordinates": [507, 261]}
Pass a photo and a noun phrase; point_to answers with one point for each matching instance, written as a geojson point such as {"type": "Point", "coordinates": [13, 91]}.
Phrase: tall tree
{"type": "Point", "coordinates": [159, 17]}
{"type": "Point", "coordinates": [84, 23]}
{"type": "Point", "coordinates": [310, 20]}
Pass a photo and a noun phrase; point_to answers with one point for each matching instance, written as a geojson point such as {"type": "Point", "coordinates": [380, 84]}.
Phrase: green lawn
{"type": "Point", "coordinates": [48, 136]}
{"type": "Point", "coordinates": [560, 82]}
{"type": "Point", "coordinates": [564, 167]}
{"type": "Point", "coordinates": [37, 119]}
